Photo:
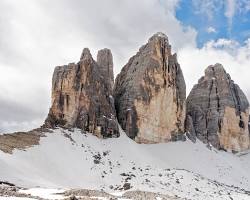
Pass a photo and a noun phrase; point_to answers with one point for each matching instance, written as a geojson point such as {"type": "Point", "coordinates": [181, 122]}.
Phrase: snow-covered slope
{"type": "Point", "coordinates": [66, 159]}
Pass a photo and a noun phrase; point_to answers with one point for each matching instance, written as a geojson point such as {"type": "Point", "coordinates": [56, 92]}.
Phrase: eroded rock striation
{"type": "Point", "coordinates": [82, 95]}
{"type": "Point", "coordinates": [150, 94]}
{"type": "Point", "coordinates": [218, 111]}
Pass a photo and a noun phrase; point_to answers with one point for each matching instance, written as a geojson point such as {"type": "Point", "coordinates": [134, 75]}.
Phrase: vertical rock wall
{"type": "Point", "coordinates": [219, 111]}
{"type": "Point", "coordinates": [105, 61]}
{"type": "Point", "coordinates": [150, 94]}
{"type": "Point", "coordinates": [82, 96]}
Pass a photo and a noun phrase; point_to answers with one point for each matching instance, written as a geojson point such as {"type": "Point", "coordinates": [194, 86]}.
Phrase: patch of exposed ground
{"type": "Point", "coordinates": [130, 195]}
{"type": "Point", "coordinates": [138, 195]}
{"type": "Point", "coordinates": [21, 140]}
{"type": "Point", "coordinates": [12, 191]}
{"type": "Point", "coordinates": [84, 194]}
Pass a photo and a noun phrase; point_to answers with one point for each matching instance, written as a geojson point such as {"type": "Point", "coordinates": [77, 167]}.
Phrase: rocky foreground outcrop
{"type": "Point", "coordinates": [82, 95]}
{"type": "Point", "coordinates": [150, 94]}
{"type": "Point", "coordinates": [218, 111]}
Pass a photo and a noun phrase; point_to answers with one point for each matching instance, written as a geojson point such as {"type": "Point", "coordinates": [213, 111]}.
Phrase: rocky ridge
{"type": "Point", "coordinates": [218, 111]}
{"type": "Point", "coordinates": [148, 99]}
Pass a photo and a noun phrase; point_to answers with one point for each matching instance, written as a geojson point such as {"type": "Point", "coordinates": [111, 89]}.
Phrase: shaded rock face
{"type": "Point", "coordinates": [218, 111]}
{"type": "Point", "coordinates": [150, 94]}
{"type": "Point", "coordinates": [105, 61]}
{"type": "Point", "coordinates": [82, 96]}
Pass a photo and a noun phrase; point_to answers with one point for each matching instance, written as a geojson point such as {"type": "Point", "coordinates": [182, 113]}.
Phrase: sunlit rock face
{"type": "Point", "coordinates": [218, 111]}
{"type": "Point", "coordinates": [82, 95]}
{"type": "Point", "coordinates": [150, 94]}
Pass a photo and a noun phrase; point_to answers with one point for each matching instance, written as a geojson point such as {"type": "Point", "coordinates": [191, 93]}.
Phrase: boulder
{"type": "Point", "coordinates": [82, 96]}
{"type": "Point", "coordinates": [219, 111]}
{"type": "Point", "coordinates": [150, 94]}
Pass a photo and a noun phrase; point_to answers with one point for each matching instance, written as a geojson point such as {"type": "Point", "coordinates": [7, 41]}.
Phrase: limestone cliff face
{"type": "Point", "coordinates": [150, 94]}
{"type": "Point", "coordinates": [105, 61]}
{"type": "Point", "coordinates": [82, 96]}
{"type": "Point", "coordinates": [218, 111]}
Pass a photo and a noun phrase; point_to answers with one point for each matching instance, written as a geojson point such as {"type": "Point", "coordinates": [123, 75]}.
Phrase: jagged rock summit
{"type": "Point", "coordinates": [218, 111]}
{"type": "Point", "coordinates": [82, 95]}
{"type": "Point", "coordinates": [150, 94]}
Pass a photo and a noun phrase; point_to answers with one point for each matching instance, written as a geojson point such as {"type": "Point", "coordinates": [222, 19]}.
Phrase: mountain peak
{"type": "Point", "coordinates": [150, 85]}
{"type": "Point", "coordinates": [105, 62]}
{"type": "Point", "coordinates": [219, 110]}
{"type": "Point", "coordinates": [217, 68]}
{"type": "Point", "coordinates": [86, 54]}
{"type": "Point", "coordinates": [81, 96]}
{"type": "Point", "coordinates": [159, 35]}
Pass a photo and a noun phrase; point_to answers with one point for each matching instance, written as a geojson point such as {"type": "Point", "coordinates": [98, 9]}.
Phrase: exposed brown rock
{"type": "Point", "coordinates": [219, 111]}
{"type": "Point", "coordinates": [20, 140]}
{"type": "Point", "coordinates": [85, 193]}
{"type": "Point", "coordinates": [82, 96]}
{"type": "Point", "coordinates": [150, 94]}
{"type": "Point", "coordinates": [135, 195]}
{"type": "Point", "coordinates": [139, 195]}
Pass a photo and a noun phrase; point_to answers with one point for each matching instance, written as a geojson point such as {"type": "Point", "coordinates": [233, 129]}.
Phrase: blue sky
{"type": "Point", "coordinates": [215, 19]}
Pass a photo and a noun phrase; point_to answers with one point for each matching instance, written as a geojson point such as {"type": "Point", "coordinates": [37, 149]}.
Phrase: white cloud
{"type": "Point", "coordinates": [243, 6]}
{"type": "Point", "coordinates": [211, 29]}
{"type": "Point", "coordinates": [207, 7]}
{"type": "Point", "coordinates": [230, 8]}
{"type": "Point", "coordinates": [230, 12]}
{"type": "Point", "coordinates": [229, 46]}
{"type": "Point", "coordinates": [10, 126]}
{"type": "Point", "coordinates": [36, 36]}
{"type": "Point", "coordinates": [234, 58]}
